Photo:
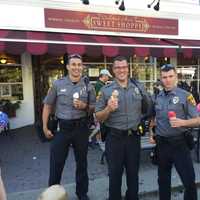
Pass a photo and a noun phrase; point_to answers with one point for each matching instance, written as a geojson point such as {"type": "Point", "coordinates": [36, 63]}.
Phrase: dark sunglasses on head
{"type": "Point", "coordinates": [167, 67]}
{"type": "Point", "coordinates": [74, 56]}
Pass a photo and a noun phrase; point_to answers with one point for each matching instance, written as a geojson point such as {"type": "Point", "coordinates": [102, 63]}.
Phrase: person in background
{"type": "Point", "coordinates": [104, 76]}
{"type": "Point", "coordinates": [195, 87]}
{"type": "Point", "coordinates": [182, 83]}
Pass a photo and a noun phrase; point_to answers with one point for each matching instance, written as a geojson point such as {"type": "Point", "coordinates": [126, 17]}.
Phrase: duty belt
{"type": "Point", "coordinates": [171, 139]}
{"type": "Point", "coordinates": [65, 123]}
{"type": "Point", "coordinates": [118, 132]}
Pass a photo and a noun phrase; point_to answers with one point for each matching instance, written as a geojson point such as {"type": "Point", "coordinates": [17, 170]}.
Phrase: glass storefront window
{"type": "Point", "coordinates": [54, 74]}
{"type": "Point", "coordinates": [188, 78]}
{"type": "Point", "coordinates": [92, 70]}
{"type": "Point", "coordinates": [11, 82]}
{"type": "Point", "coordinates": [146, 73]}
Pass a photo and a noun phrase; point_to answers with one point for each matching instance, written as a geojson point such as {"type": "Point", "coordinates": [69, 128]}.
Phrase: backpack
{"type": "Point", "coordinates": [146, 102]}
{"type": "Point", "coordinates": [90, 116]}
{"type": "Point", "coordinates": [146, 109]}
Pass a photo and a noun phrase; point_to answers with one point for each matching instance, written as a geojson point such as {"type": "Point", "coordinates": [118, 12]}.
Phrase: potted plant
{"type": "Point", "coordinates": [9, 107]}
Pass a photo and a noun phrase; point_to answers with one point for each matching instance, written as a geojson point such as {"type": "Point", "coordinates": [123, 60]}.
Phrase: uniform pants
{"type": "Point", "coordinates": [78, 137]}
{"type": "Point", "coordinates": [176, 154]}
{"type": "Point", "coordinates": [123, 152]}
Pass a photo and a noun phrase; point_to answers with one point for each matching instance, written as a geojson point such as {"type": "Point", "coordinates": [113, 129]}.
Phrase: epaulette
{"type": "Point", "coordinates": [59, 80]}
{"type": "Point", "coordinates": [183, 91]}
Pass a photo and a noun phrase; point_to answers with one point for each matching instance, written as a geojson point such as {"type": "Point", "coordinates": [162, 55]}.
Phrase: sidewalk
{"type": "Point", "coordinates": [99, 187]}
{"type": "Point", "coordinates": [25, 168]}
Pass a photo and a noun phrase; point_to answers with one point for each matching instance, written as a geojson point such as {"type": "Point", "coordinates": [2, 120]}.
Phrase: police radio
{"type": "Point", "coordinates": [143, 127]}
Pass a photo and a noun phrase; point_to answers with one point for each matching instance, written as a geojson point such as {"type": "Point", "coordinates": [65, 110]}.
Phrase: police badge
{"type": "Point", "coordinates": [175, 100]}
{"type": "Point", "coordinates": [137, 91]}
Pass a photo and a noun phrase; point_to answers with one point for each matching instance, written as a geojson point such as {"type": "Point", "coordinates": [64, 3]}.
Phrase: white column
{"type": "Point", "coordinates": [25, 114]}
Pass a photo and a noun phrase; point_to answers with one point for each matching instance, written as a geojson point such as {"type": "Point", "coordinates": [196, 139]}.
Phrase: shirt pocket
{"type": "Point", "coordinates": [178, 108]}
{"type": "Point", "coordinates": [136, 97]}
{"type": "Point", "coordinates": [64, 98]}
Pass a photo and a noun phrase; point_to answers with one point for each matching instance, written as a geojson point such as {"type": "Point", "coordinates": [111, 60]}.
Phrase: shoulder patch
{"type": "Point", "coordinates": [191, 100]}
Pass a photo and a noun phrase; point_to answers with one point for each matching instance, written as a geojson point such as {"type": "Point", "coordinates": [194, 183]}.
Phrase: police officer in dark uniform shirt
{"type": "Point", "coordinates": [171, 142]}
{"type": "Point", "coordinates": [70, 96]}
{"type": "Point", "coordinates": [119, 107]}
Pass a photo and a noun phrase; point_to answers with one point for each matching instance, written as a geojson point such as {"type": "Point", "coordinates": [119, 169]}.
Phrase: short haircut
{"type": "Point", "coordinates": [74, 56]}
{"type": "Point", "coordinates": [120, 58]}
{"type": "Point", "coordinates": [167, 67]}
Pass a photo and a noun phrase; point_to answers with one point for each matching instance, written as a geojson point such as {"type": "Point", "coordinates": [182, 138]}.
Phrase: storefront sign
{"type": "Point", "coordinates": [106, 22]}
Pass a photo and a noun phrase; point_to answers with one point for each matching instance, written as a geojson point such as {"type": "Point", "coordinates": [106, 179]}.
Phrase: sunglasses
{"type": "Point", "coordinates": [167, 67]}
{"type": "Point", "coordinates": [74, 56]}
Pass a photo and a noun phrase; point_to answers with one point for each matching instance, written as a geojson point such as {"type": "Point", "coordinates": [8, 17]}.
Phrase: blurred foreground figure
{"type": "Point", "coordinates": [55, 192]}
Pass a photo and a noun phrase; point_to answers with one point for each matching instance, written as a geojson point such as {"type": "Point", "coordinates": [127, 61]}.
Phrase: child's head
{"type": "Point", "coordinates": [55, 192]}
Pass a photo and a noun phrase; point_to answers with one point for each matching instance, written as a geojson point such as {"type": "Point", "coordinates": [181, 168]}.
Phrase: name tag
{"type": "Point", "coordinates": [63, 90]}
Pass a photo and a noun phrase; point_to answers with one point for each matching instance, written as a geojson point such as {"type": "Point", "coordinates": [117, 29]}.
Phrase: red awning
{"type": "Point", "coordinates": [71, 49]}
{"type": "Point", "coordinates": [185, 44]}
{"type": "Point", "coordinates": [109, 51]}
{"type": "Point", "coordinates": [189, 47]}
{"type": "Point", "coordinates": [39, 43]}
{"type": "Point", "coordinates": [36, 48]}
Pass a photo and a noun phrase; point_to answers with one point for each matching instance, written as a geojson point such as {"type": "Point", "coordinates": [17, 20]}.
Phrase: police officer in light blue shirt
{"type": "Point", "coordinates": [120, 107]}
{"type": "Point", "coordinates": [72, 96]}
{"type": "Point", "coordinates": [172, 143]}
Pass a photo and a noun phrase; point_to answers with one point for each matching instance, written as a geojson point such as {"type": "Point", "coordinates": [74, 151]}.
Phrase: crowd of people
{"type": "Point", "coordinates": [118, 108]}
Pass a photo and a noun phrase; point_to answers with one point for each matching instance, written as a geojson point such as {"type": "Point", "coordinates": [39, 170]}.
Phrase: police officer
{"type": "Point", "coordinates": [172, 148]}
{"type": "Point", "coordinates": [70, 97]}
{"type": "Point", "coordinates": [119, 107]}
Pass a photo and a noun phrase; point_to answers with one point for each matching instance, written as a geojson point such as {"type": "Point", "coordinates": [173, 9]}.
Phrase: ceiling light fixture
{"type": "Point", "coordinates": [122, 5]}
{"type": "Point", "coordinates": [3, 60]}
{"type": "Point", "coordinates": [117, 2]}
{"type": "Point", "coordinates": [156, 7]}
{"type": "Point", "coordinates": [86, 2]}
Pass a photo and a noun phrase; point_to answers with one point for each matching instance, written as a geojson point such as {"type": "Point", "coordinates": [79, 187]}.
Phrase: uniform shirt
{"type": "Point", "coordinates": [99, 84]}
{"type": "Point", "coordinates": [128, 113]}
{"type": "Point", "coordinates": [61, 95]}
{"type": "Point", "coordinates": [178, 100]}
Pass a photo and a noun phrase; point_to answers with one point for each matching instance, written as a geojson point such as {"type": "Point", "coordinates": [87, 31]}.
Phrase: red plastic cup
{"type": "Point", "coordinates": [171, 114]}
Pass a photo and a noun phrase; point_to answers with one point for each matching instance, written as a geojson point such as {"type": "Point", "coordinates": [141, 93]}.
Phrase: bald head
{"type": "Point", "coordinates": [55, 192]}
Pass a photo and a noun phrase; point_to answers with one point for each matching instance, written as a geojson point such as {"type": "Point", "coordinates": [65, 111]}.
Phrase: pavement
{"type": "Point", "coordinates": [25, 168]}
